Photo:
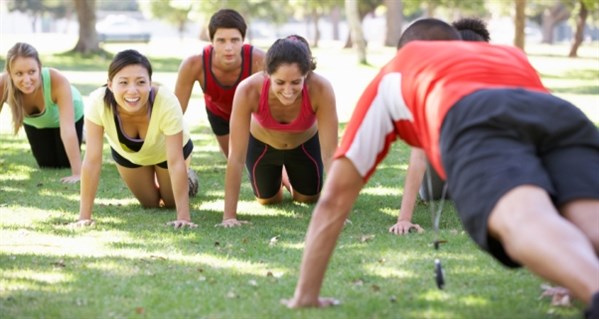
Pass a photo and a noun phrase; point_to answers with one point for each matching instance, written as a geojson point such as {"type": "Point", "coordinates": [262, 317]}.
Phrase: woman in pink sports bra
{"type": "Point", "coordinates": [283, 119]}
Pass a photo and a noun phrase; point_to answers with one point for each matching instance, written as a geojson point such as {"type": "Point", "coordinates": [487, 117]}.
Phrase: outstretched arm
{"type": "Point", "coordinates": [61, 89]}
{"type": "Point", "coordinates": [413, 180]}
{"type": "Point", "coordinates": [190, 70]}
{"type": "Point", "coordinates": [328, 123]}
{"type": "Point", "coordinates": [238, 144]}
{"type": "Point", "coordinates": [90, 177]}
{"type": "Point", "coordinates": [340, 191]}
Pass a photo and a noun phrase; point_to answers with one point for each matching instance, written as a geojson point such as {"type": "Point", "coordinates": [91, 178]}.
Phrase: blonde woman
{"type": "Point", "coordinates": [47, 106]}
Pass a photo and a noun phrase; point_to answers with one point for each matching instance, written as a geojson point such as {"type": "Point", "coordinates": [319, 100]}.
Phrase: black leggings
{"type": "Point", "coordinates": [47, 147]}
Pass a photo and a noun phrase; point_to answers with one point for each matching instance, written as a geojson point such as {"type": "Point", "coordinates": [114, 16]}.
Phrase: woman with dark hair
{"type": "Point", "coordinates": [149, 142]}
{"type": "Point", "coordinates": [48, 107]}
{"type": "Point", "coordinates": [284, 119]}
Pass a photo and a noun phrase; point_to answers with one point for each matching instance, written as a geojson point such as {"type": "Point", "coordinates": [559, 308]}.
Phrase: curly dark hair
{"type": "Point", "coordinates": [472, 29]}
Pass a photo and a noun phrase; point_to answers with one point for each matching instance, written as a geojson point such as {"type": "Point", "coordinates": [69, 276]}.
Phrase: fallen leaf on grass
{"type": "Point", "coordinates": [139, 310]}
{"type": "Point", "coordinates": [365, 238]}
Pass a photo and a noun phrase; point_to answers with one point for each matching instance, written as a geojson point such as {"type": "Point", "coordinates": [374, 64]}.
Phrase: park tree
{"type": "Point", "coordinates": [175, 12]}
{"type": "Point", "coordinates": [584, 6]}
{"type": "Point", "coordinates": [552, 16]}
{"type": "Point", "coordinates": [36, 9]}
{"type": "Point", "coordinates": [355, 26]}
{"type": "Point", "coordinates": [394, 19]}
{"type": "Point", "coordinates": [88, 36]}
{"type": "Point", "coordinates": [519, 23]}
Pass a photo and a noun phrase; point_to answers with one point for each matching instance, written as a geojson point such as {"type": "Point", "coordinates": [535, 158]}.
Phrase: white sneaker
{"type": "Point", "coordinates": [194, 183]}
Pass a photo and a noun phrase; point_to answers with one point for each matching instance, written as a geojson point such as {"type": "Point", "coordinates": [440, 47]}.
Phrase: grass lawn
{"type": "Point", "coordinates": [129, 265]}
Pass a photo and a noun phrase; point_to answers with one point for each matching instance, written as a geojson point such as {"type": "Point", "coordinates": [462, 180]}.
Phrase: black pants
{"type": "Point", "coordinates": [47, 146]}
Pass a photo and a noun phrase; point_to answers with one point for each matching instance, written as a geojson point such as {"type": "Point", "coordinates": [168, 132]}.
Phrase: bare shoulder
{"type": "Point", "coordinates": [192, 64]}
{"type": "Point", "coordinates": [58, 81]}
{"type": "Point", "coordinates": [257, 59]}
{"type": "Point", "coordinates": [251, 86]}
{"type": "Point", "coordinates": [318, 85]}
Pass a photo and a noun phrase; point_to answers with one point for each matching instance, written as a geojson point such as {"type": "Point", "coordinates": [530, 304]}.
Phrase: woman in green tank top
{"type": "Point", "coordinates": [51, 110]}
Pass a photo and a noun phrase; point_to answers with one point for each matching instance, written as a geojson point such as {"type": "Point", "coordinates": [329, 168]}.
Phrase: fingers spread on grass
{"type": "Point", "coordinates": [82, 223]}
{"type": "Point", "coordinates": [232, 222]}
{"type": "Point", "coordinates": [181, 224]}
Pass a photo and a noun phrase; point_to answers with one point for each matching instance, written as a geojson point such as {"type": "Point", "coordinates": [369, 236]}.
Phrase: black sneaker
{"type": "Point", "coordinates": [194, 182]}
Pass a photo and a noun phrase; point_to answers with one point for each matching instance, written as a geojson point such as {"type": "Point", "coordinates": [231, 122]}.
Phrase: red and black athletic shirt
{"type": "Point", "coordinates": [218, 97]}
{"type": "Point", "coordinates": [411, 95]}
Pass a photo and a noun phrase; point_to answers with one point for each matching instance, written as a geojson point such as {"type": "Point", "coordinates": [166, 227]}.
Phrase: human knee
{"type": "Point", "coordinates": [307, 199]}
{"type": "Point", "coordinates": [272, 200]}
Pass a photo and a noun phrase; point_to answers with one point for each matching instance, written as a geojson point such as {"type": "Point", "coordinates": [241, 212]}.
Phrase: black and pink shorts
{"type": "Point", "coordinates": [303, 165]}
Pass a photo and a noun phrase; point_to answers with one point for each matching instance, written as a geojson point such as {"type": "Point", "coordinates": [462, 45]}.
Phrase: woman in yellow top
{"type": "Point", "coordinates": [148, 139]}
{"type": "Point", "coordinates": [51, 110]}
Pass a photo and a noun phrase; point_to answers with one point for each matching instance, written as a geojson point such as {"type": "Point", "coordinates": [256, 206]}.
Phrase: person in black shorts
{"type": "Point", "coordinates": [522, 164]}
{"type": "Point", "coordinates": [47, 106]}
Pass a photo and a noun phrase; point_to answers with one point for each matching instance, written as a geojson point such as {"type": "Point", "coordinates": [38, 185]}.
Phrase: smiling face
{"type": "Point", "coordinates": [25, 74]}
{"type": "Point", "coordinates": [287, 82]}
{"type": "Point", "coordinates": [227, 47]}
{"type": "Point", "coordinates": [131, 88]}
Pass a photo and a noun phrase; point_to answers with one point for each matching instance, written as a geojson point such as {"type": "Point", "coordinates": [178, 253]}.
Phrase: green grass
{"type": "Point", "coordinates": [129, 265]}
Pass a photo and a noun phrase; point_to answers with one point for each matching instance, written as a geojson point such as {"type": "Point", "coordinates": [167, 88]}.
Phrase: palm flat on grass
{"type": "Point", "coordinates": [129, 265]}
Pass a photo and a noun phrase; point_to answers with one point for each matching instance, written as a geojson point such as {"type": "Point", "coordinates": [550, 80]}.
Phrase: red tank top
{"type": "Point", "coordinates": [218, 97]}
{"type": "Point", "coordinates": [302, 122]}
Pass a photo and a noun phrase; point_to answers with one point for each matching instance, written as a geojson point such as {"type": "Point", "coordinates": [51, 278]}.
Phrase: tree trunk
{"type": "Point", "coordinates": [551, 17]}
{"type": "Point", "coordinates": [580, 25]}
{"type": "Point", "coordinates": [394, 22]}
{"type": "Point", "coordinates": [335, 21]}
{"type": "Point", "coordinates": [315, 19]}
{"type": "Point", "coordinates": [519, 24]}
{"type": "Point", "coordinates": [355, 27]}
{"type": "Point", "coordinates": [88, 37]}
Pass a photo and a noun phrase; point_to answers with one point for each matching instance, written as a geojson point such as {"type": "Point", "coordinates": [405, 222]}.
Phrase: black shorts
{"type": "Point", "coordinates": [303, 165]}
{"type": "Point", "coordinates": [47, 147]}
{"type": "Point", "coordinates": [187, 149]}
{"type": "Point", "coordinates": [495, 140]}
{"type": "Point", "coordinates": [219, 125]}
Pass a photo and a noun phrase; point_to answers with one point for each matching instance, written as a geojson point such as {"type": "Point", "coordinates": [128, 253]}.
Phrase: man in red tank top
{"type": "Point", "coordinates": [522, 165]}
{"type": "Point", "coordinates": [219, 69]}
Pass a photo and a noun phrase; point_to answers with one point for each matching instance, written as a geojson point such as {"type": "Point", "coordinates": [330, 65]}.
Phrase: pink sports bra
{"type": "Point", "coordinates": [302, 122]}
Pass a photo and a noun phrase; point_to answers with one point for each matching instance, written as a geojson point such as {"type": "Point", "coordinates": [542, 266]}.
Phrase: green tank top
{"type": "Point", "coordinates": [49, 118]}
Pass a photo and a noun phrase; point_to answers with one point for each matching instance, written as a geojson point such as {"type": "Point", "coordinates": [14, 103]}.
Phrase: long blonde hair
{"type": "Point", "coordinates": [14, 97]}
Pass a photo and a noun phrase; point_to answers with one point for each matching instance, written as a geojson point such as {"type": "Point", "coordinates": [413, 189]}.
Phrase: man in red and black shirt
{"type": "Point", "coordinates": [219, 69]}
{"type": "Point", "coordinates": [522, 165]}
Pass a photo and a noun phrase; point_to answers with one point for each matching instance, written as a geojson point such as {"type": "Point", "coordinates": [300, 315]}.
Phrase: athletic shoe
{"type": "Point", "coordinates": [194, 183]}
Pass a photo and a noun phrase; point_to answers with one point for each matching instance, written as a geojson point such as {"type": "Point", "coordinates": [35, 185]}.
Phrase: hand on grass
{"type": "Point", "coordinates": [70, 179]}
{"type": "Point", "coordinates": [181, 223]}
{"type": "Point", "coordinates": [83, 223]}
{"type": "Point", "coordinates": [404, 227]}
{"type": "Point", "coordinates": [319, 303]}
{"type": "Point", "coordinates": [232, 222]}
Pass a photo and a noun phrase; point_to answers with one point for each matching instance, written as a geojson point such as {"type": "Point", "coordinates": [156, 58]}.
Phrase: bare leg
{"type": "Point", "coordinates": [584, 214]}
{"type": "Point", "coordinates": [304, 198]}
{"type": "Point", "coordinates": [142, 183]}
{"type": "Point", "coordinates": [223, 142]}
{"type": "Point", "coordinates": [273, 200]}
{"type": "Point", "coordinates": [534, 234]}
